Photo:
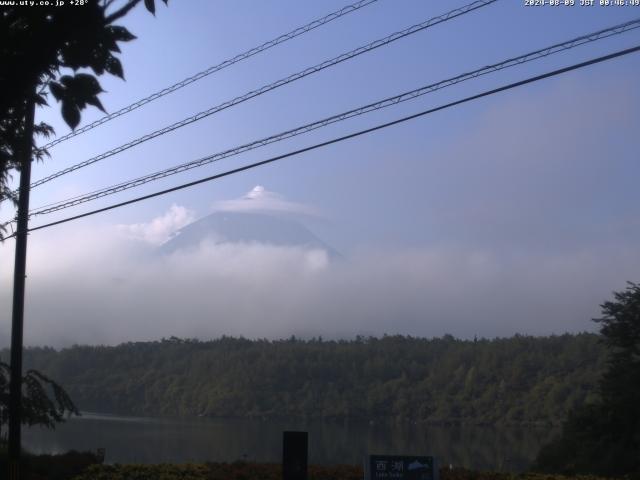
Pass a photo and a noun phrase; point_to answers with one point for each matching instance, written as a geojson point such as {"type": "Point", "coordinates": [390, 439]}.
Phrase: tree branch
{"type": "Point", "coordinates": [122, 12]}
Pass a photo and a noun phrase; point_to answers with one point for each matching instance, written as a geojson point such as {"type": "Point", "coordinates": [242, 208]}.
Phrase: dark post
{"type": "Point", "coordinates": [294, 455]}
{"type": "Point", "coordinates": [19, 273]}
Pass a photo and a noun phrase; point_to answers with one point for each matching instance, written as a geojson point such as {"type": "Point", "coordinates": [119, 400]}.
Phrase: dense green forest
{"type": "Point", "coordinates": [442, 380]}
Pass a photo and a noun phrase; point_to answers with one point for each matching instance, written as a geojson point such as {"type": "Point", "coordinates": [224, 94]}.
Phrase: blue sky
{"type": "Point", "coordinates": [535, 186]}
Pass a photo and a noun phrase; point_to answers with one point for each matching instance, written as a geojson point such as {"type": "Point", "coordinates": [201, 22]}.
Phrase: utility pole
{"type": "Point", "coordinates": [17, 320]}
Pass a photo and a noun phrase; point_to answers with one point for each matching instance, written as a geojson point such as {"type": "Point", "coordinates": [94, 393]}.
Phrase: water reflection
{"type": "Point", "coordinates": [146, 440]}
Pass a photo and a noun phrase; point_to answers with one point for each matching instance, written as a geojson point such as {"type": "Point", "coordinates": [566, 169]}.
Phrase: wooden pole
{"type": "Point", "coordinates": [19, 275]}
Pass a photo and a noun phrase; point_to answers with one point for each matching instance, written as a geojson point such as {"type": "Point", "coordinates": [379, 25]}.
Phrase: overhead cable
{"type": "Point", "coordinates": [410, 95]}
{"type": "Point", "coordinates": [215, 68]}
{"type": "Point", "coordinates": [272, 86]}
{"type": "Point", "coordinates": [510, 86]}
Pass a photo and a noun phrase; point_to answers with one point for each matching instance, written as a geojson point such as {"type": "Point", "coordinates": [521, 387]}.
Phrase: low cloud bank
{"type": "Point", "coordinates": [107, 288]}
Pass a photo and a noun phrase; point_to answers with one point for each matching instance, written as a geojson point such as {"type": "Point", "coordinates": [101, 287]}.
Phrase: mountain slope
{"type": "Point", "coordinates": [245, 227]}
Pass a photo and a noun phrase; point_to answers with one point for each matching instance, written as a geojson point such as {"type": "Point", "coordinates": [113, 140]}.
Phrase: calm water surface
{"type": "Point", "coordinates": [149, 440]}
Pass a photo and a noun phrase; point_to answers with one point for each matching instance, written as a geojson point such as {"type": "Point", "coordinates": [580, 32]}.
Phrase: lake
{"type": "Point", "coordinates": [152, 440]}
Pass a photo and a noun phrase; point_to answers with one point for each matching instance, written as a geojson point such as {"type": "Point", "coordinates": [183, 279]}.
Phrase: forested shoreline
{"type": "Point", "coordinates": [517, 380]}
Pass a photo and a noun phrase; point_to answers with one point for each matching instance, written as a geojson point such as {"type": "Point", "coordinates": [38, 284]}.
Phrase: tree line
{"type": "Point", "coordinates": [603, 436]}
{"type": "Point", "coordinates": [517, 380]}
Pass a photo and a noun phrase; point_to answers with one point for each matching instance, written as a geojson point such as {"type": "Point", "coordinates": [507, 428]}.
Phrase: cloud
{"type": "Point", "coordinates": [127, 293]}
{"type": "Point", "coordinates": [158, 230]}
{"type": "Point", "coordinates": [260, 199]}
{"type": "Point", "coordinates": [534, 224]}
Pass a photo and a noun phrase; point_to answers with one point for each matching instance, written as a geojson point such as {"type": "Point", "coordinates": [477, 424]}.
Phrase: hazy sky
{"type": "Point", "coordinates": [515, 213]}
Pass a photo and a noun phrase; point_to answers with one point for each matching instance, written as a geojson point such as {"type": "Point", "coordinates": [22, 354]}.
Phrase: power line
{"type": "Point", "coordinates": [544, 52]}
{"type": "Point", "coordinates": [216, 68]}
{"type": "Point", "coordinates": [347, 137]}
{"type": "Point", "coordinates": [266, 88]}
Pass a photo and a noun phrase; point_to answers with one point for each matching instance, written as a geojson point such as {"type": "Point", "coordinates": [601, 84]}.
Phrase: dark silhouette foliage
{"type": "Point", "coordinates": [518, 380]}
{"type": "Point", "coordinates": [62, 466]}
{"type": "Point", "coordinates": [44, 402]}
{"type": "Point", "coordinates": [604, 437]}
{"type": "Point", "coordinates": [37, 45]}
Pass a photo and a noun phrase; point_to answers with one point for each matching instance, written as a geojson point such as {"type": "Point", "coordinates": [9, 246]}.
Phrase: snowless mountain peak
{"type": "Point", "coordinates": [246, 227]}
{"type": "Point", "coordinates": [258, 217]}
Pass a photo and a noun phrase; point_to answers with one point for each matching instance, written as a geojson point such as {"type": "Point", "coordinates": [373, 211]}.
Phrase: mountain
{"type": "Point", "coordinates": [245, 227]}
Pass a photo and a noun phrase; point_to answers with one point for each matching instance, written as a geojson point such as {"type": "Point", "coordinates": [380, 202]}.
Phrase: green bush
{"type": "Point", "coordinates": [265, 471]}
{"type": "Point", "coordinates": [50, 467]}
